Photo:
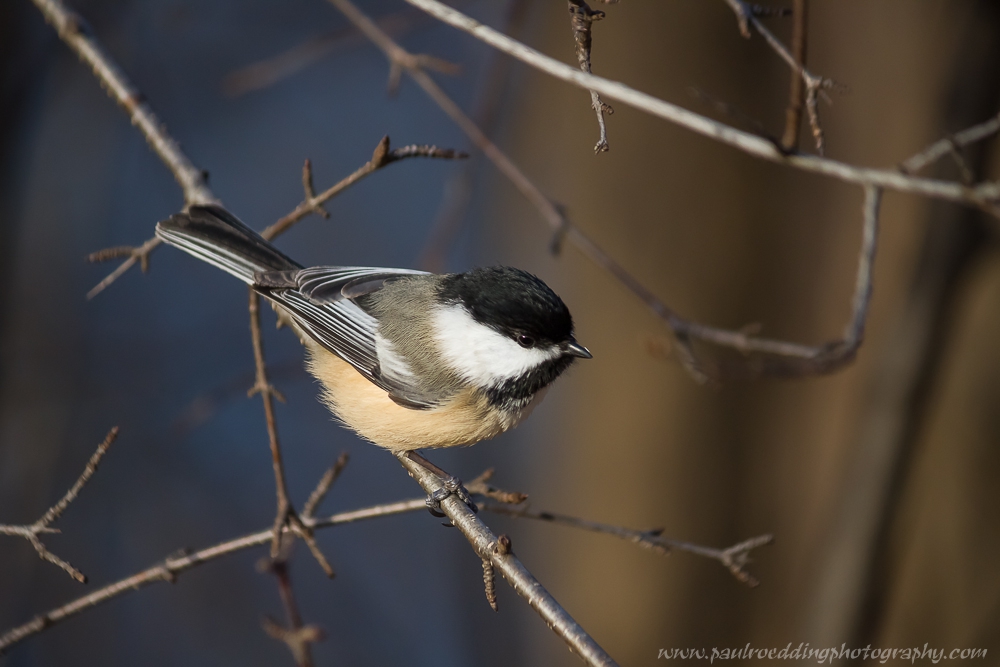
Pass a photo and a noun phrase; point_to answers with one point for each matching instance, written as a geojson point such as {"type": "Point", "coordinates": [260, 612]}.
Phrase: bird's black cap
{"type": "Point", "coordinates": [510, 301]}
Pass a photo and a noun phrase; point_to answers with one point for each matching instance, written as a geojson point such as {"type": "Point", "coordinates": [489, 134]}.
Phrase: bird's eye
{"type": "Point", "coordinates": [525, 341]}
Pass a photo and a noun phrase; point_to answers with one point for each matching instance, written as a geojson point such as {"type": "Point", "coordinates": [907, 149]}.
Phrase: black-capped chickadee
{"type": "Point", "coordinates": [407, 359]}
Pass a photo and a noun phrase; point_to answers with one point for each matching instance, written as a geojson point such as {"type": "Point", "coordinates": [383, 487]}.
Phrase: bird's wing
{"type": "Point", "coordinates": [321, 299]}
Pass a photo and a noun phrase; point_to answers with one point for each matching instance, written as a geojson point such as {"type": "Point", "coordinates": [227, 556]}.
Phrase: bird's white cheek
{"type": "Point", "coordinates": [479, 354]}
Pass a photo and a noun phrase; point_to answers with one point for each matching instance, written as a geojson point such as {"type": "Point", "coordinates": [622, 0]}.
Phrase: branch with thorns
{"type": "Point", "coordinates": [44, 523]}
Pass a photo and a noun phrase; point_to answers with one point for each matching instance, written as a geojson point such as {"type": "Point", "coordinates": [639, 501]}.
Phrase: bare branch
{"type": "Point", "coordinates": [297, 639]}
{"type": "Point", "coordinates": [582, 18]}
{"type": "Point", "coordinates": [140, 254]}
{"type": "Point", "coordinates": [950, 144]}
{"type": "Point", "coordinates": [173, 566]}
{"type": "Point", "coordinates": [746, 15]}
{"type": "Point", "coordinates": [796, 95]}
{"type": "Point", "coordinates": [297, 636]}
{"type": "Point", "coordinates": [328, 480]}
{"type": "Point", "coordinates": [267, 72]}
{"type": "Point", "coordinates": [733, 558]}
{"type": "Point", "coordinates": [381, 157]}
{"type": "Point", "coordinates": [43, 524]}
{"type": "Point", "coordinates": [484, 542]}
{"type": "Point", "coordinates": [983, 194]}
{"type": "Point", "coordinates": [75, 32]}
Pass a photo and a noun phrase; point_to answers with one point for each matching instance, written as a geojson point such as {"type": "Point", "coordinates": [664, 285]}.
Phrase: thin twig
{"type": "Point", "coordinates": [484, 543]}
{"type": "Point", "coordinates": [979, 195]}
{"type": "Point", "coordinates": [298, 637]}
{"type": "Point", "coordinates": [746, 16]}
{"type": "Point", "coordinates": [796, 94]}
{"type": "Point", "coordinates": [581, 20]}
{"type": "Point", "coordinates": [173, 566]}
{"type": "Point", "coordinates": [733, 558]}
{"type": "Point", "coordinates": [285, 513]}
{"type": "Point", "coordinates": [139, 254]}
{"type": "Point", "coordinates": [75, 32]}
{"type": "Point", "coordinates": [949, 144]}
{"type": "Point", "coordinates": [43, 525]}
{"type": "Point", "coordinates": [328, 480]}
{"type": "Point", "coordinates": [270, 71]}
{"type": "Point", "coordinates": [794, 360]}
{"type": "Point", "coordinates": [381, 156]}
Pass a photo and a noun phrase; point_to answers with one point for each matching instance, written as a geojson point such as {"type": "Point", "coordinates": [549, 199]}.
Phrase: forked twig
{"type": "Point", "coordinates": [734, 558]}
{"type": "Point", "coordinates": [43, 525]}
{"type": "Point", "coordinates": [950, 144]}
{"type": "Point", "coordinates": [382, 156]}
{"type": "Point", "coordinates": [746, 16]}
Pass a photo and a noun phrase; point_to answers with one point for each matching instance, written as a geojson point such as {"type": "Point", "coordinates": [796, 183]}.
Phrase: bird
{"type": "Point", "coordinates": [406, 359]}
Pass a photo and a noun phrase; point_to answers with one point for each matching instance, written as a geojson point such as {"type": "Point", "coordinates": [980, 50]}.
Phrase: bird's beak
{"type": "Point", "coordinates": [574, 349]}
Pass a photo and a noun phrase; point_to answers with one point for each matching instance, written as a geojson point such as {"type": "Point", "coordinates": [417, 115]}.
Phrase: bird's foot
{"type": "Point", "coordinates": [451, 486]}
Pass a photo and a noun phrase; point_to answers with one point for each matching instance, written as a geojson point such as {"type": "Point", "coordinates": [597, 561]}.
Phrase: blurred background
{"type": "Point", "coordinates": [878, 481]}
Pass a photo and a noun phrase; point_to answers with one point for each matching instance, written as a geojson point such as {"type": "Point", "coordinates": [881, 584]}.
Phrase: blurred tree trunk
{"type": "Point", "coordinates": [859, 568]}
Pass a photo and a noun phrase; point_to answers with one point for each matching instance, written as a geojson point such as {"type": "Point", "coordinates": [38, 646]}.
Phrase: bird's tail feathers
{"type": "Point", "coordinates": [213, 234]}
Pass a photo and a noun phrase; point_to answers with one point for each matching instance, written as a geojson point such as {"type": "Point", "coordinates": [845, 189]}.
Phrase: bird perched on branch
{"type": "Point", "coordinates": [407, 359]}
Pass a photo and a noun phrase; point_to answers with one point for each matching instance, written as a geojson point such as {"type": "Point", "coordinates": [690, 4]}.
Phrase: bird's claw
{"type": "Point", "coordinates": [451, 486]}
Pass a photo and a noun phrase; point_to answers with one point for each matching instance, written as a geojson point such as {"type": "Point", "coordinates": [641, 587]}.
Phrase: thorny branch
{"type": "Point", "coordinates": [494, 500]}
{"type": "Point", "coordinates": [43, 525]}
{"type": "Point", "coordinates": [581, 18]}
